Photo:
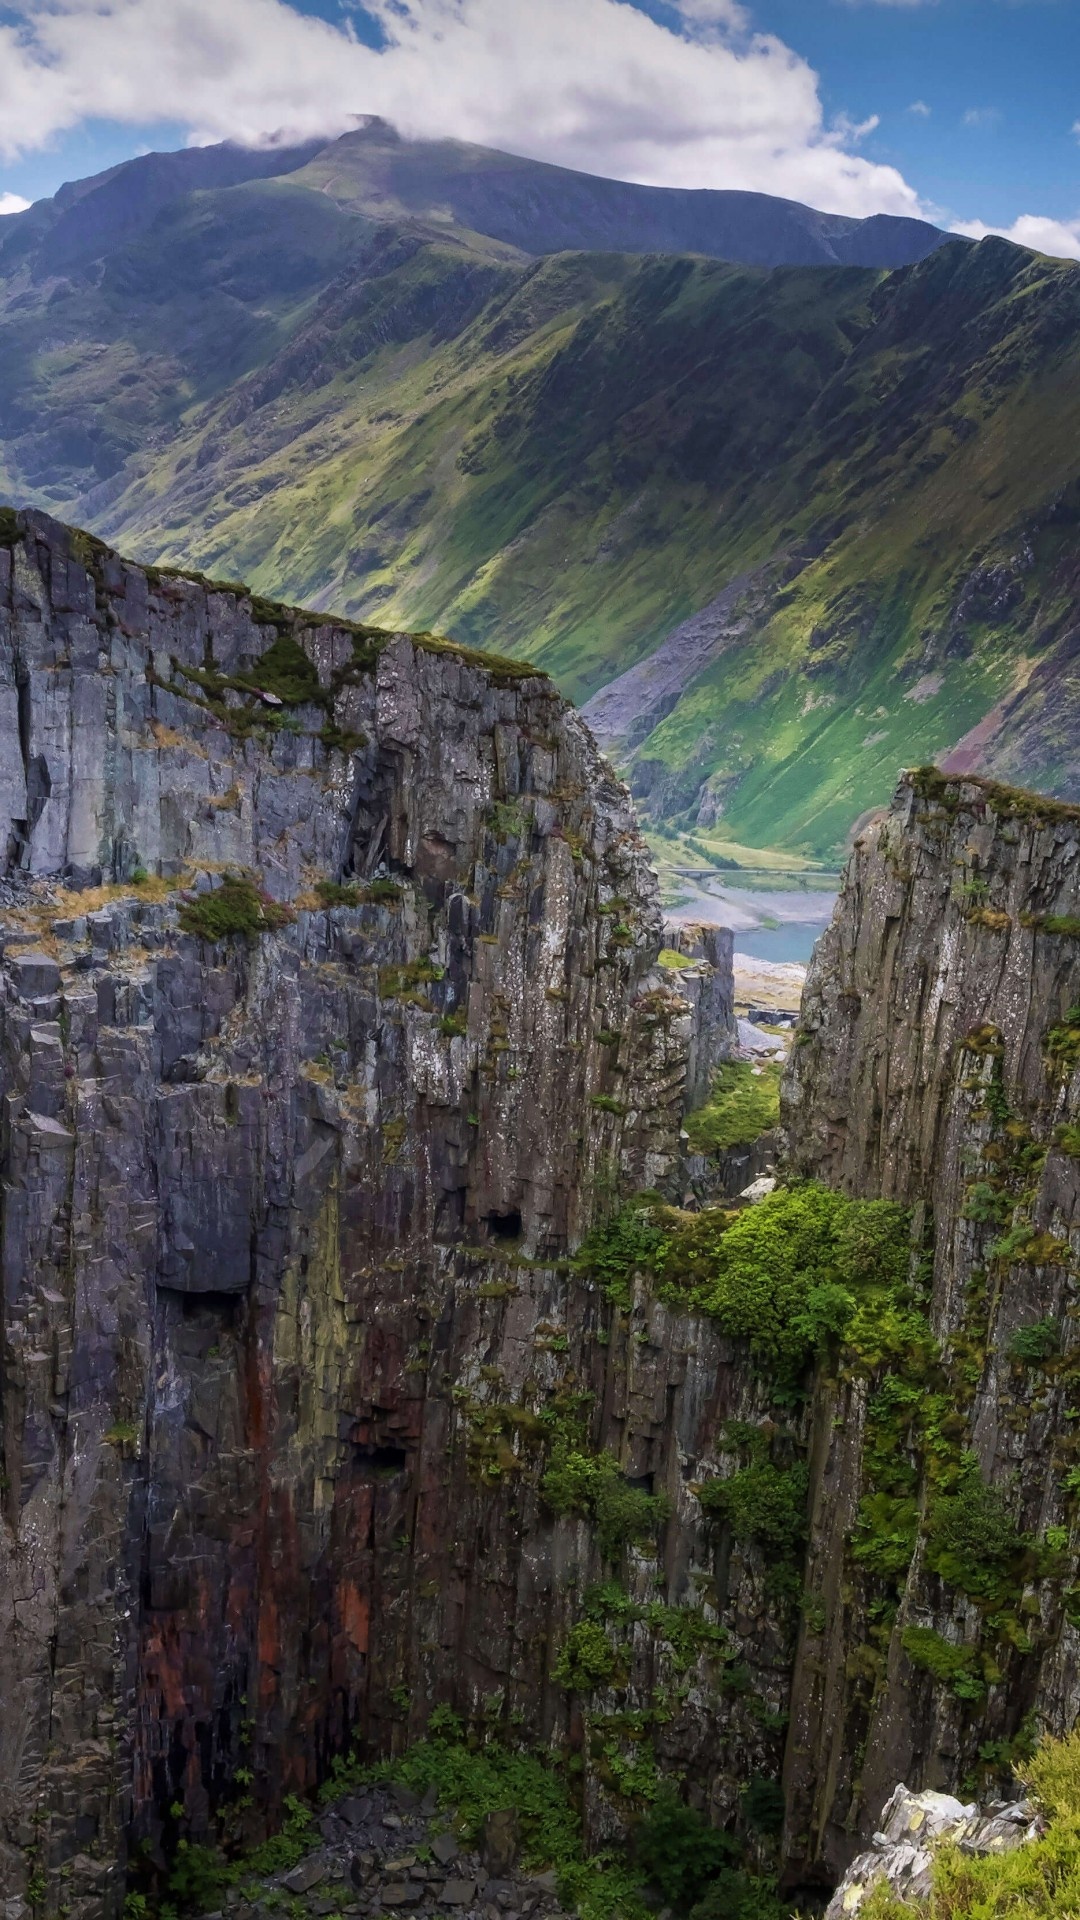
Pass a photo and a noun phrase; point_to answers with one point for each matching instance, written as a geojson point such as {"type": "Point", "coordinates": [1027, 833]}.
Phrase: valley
{"type": "Point", "coordinates": [811, 491]}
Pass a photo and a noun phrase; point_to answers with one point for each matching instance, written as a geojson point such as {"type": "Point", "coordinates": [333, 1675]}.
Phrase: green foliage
{"type": "Point", "coordinates": [762, 1802]}
{"type": "Point", "coordinates": [685, 1631]}
{"type": "Point", "coordinates": [286, 671]}
{"type": "Point", "coordinates": [762, 1504]}
{"type": "Point", "coordinates": [237, 909]}
{"type": "Point", "coordinates": [200, 1876]}
{"type": "Point", "coordinates": [454, 1026]}
{"type": "Point", "coordinates": [680, 1852]}
{"type": "Point", "coordinates": [336, 893]}
{"type": "Point", "coordinates": [744, 1102]}
{"type": "Point", "coordinates": [586, 1660]}
{"type": "Point", "coordinates": [621, 1246]}
{"type": "Point", "coordinates": [1063, 1044]}
{"type": "Point", "coordinates": [791, 1274]}
{"type": "Point", "coordinates": [593, 1486]}
{"type": "Point", "coordinates": [404, 980]}
{"type": "Point", "coordinates": [1032, 1346]}
{"type": "Point", "coordinates": [382, 892]}
{"type": "Point", "coordinates": [973, 1542]}
{"type": "Point", "coordinates": [957, 1667]}
{"type": "Point", "coordinates": [736, 1895]}
{"type": "Point", "coordinates": [474, 1781]}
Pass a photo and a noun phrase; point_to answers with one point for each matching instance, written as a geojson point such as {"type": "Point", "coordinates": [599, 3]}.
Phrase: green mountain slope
{"type": "Point", "coordinates": [573, 457]}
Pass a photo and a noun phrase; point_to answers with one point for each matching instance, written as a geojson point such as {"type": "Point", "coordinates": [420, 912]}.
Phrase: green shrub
{"type": "Point", "coordinates": [972, 1540]}
{"type": "Point", "coordinates": [199, 1877]}
{"type": "Point", "coordinates": [285, 670]}
{"type": "Point", "coordinates": [735, 1895]}
{"type": "Point", "coordinates": [593, 1486]}
{"type": "Point", "coordinates": [1035, 1344]}
{"type": "Point", "coordinates": [957, 1667]}
{"type": "Point", "coordinates": [762, 1802]}
{"type": "Point", "coordinates": [790, 1273]}
{"type": "Point", "coordinates": [1063, 1044]}
{"type": "Point", "coordinates": [626, 1244]}
{"type": "Point", "coordinates": [235, 909]}
{"type": "Point", "coordinates": [335, 893]}
{"type": "Point", "coordinates": [761, 1503]}
{"type": "Point", "coordinates": [680, 1852]}
{"type": "Point", "coordinates": [475, 1781]}
{"type": "Point", "coordinates": [586, 1660]}
{"type": "Point", "coordinates": [886, 1528]}
{"type": "Point", "coordinates": [744, 1103]}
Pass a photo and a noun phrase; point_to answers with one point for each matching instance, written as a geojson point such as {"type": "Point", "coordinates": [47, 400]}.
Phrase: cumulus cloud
{"type": "Point", "coordinates": [1061, 238]}
{"type": "Point", "coordinates": [594, 84]}
{"type": "Point", "coordinates": [11, 203]}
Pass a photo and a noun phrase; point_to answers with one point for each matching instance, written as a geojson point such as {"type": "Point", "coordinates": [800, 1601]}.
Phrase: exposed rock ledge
{"type": "Point", "coordinates": [913, 1826]}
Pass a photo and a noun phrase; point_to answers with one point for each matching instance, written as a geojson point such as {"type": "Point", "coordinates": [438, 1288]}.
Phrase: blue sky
{"type": "Point", "coordinates": [976, 102]}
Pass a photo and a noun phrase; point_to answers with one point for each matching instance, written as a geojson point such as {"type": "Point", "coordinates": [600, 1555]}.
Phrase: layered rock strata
{"type": "Point", "coordinates": [286, 1300]}
{"type": "Point", "coordinates": [938, 1064]}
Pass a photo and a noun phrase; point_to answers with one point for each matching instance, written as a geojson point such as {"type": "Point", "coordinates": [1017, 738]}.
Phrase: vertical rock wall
{"type": "Point", "coordinates": [286, 1217]}
{"type": "Point", "coordinates": [935, 1067]}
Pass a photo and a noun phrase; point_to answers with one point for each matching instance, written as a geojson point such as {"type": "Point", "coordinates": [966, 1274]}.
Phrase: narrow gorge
{"type": "Point", "coordinates": [362, 1373]}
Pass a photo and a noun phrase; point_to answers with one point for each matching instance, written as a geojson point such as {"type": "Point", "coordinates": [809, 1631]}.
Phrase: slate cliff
{"type": "Point", "coordinates": [939, 1065]}
{"type": "Point", "coordinates": [286, 1307]}
{"type": "Point", "coordinates": [309, 1421]}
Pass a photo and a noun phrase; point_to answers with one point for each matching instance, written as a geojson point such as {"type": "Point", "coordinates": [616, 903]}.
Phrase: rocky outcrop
{"type": "Point", "coordinates": [288, 1321]}
{"type": "Point", "coordinates": [937, 1065]}
{"type": "Point", "coordinates": [913, 1826]}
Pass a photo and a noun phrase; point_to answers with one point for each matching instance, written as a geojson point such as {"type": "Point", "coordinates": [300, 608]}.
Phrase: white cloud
{"type": "Point", "coordinates": [1061, 238]}
{"type": "Point", "coordinates": [12, 203]}
{"type": "Point", "coordinates": [981, 117]}
{"type": "Point", "coordinates": [594, 84]}
{"type": "Point", "coordinates": [920, 109]}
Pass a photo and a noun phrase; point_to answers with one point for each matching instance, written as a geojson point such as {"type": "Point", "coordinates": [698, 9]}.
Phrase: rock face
{"type": "Point", "coordinates": [286, 1303]}
{"type": "Point", "coordinates": [912, 1826]}
{"type": "Point", "coordinates": [937, 1065]}
{"type": "Point", "coordinates": [291, 1338]}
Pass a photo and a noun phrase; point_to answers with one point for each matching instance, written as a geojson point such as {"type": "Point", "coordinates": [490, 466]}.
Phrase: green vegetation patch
{"type": "Point", "coordinates": [1062, 1045]}
{"type": "Point", "coordinates": [237, 909]}
{"type": "Point", "coordinates": [473, 1781]}
{"type": "Point", "coordinates": [744, 1103]}
{"type": "Point", "coordinates": [803, 1267]}
{"type": "Point", "coordinates": [973, 1541]}
{"type": "Point", "coordinates": [593, 1486]}
{"type": "Point", "coordinates": [959, 1668]}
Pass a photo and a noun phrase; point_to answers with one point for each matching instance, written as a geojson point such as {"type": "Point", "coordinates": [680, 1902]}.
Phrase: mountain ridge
{"type": "Point", "coordinates": [570, 456]}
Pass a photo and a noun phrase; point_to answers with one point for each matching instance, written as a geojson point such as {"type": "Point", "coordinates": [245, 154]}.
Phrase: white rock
{"type": "Point", "coordinates": [759, 1189]}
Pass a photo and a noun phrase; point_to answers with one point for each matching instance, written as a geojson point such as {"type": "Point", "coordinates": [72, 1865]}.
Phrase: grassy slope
{"type": "Point", "coordinates": [565, 458]}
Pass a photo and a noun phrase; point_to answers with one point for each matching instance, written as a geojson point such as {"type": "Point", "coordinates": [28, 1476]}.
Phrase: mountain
{"type": "Point", "coordinates": [524, 203]}
{"type": "Point", "coordinates": [834, 508]}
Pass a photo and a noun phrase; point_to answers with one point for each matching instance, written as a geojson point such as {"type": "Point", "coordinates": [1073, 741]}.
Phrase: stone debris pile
{"type": "Point", "coordinates": [389, 1851]}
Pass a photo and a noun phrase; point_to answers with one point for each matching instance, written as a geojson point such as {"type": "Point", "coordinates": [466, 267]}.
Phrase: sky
{"type": "Point", "coordinates": [966, 112]}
